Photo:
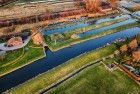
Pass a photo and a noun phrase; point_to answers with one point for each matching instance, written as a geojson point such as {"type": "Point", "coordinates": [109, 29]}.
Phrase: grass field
{"type": "Point", "coordinates": [98, 80]}
{"type": "Point", "coordinates": [18, 58]}
{"type": "Point", "coordinates": [109, 61]}
{"type": "Point", "coordinates": [11, 56]}
{"type": "Point", "coordinates": [46, 79]}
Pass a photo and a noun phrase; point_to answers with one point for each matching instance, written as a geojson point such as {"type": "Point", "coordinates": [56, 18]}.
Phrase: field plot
{"type": "Point", "coordinates": [18, 58]}
{"type": "Point", "coordinates": [98, 80]}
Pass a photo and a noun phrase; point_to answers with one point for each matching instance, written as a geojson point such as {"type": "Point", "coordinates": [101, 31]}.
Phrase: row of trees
{"type": "Point", "coordinates": [131, 52]}
{"type": "Point", "coordinates": [42, 17]}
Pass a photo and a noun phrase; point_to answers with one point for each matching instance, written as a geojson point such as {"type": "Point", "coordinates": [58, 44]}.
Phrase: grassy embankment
{"type": "Point", "coordinates": [94, 26]}
{"type": "Point", "coordinates": [68, 42]}
{"type": "Point", "coordinates": [98, 80]}
{"type": "Point", "coordinates": [67, 34]}
{"type": "Point", "coordinates": [58, 73]}
{"type": "Point", "coordinates": [19, 58]}
{"type": "Point", "coordinates": [77, 22]}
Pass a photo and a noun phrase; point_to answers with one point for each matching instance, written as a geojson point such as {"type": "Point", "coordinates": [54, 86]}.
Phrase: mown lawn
{"type": "Point", "coordinates": [11, 56]}
{"type": "Point", "coordinates": [109, 61]}
{"type": "Point", "coordinates": [46, 79]}
{"type": "Point", "coordinates": [98, 80]}
{"type": "Point", "coordinates": [18, 58]}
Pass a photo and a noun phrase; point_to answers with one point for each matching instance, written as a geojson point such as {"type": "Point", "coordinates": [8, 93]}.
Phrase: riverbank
{"type": "Point", "coordinates": [94, 26]}
{"type": "Point", "coordinates": [68, 42]}
{"type": "Point", "coordinates": [104, 79]}
{"type": "Point", "coordinates": [50, 77]}
{"type": "Point", "coordinates": [77, 21]}
{"type": "Point", "coordinates": [19, 58]}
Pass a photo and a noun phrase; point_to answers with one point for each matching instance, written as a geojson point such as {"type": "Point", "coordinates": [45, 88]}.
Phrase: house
{"type": "Point", "coordinates": [15, 41]}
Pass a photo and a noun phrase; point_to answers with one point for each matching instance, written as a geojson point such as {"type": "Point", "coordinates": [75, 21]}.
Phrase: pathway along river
{"type": "Point", "coordinates": [54, 59]}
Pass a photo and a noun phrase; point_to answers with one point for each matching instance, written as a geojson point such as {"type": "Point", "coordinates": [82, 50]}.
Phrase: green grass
{"type": "Point", "coordinates": [46, 79]}
{"type": "Point", "coordinates": [18, 58]}
{"type": "Point", "coordinates": [109, 61]}
{"type": "Point", "coordinates": [98, 80]}
{"type": "Point", "coordinates": [52, 76]}
{"type": "Point", "coordinates": [94, 26]}
{"type": "Point", "coordinates": [11, 56]}
{"type": "Point", "coordinates": [69, 42]}
{"type": "Point", "coordinates": [90, 27]}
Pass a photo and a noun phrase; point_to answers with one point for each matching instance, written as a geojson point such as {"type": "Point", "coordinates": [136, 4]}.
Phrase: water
{"type": "Point", "coordinates": [54, 59]}
{"type": "Point", "coordinates": [48, 31]}
{"type": "Point", "coordinates": [94, 31]}
{"type": "Point", "coordinates": [51, 31]}
{"type": "Point", "coordinates": [110, 18]}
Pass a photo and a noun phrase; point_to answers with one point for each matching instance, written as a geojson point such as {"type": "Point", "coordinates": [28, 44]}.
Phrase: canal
{"type": "Point", "coordinates": [54, 59]}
